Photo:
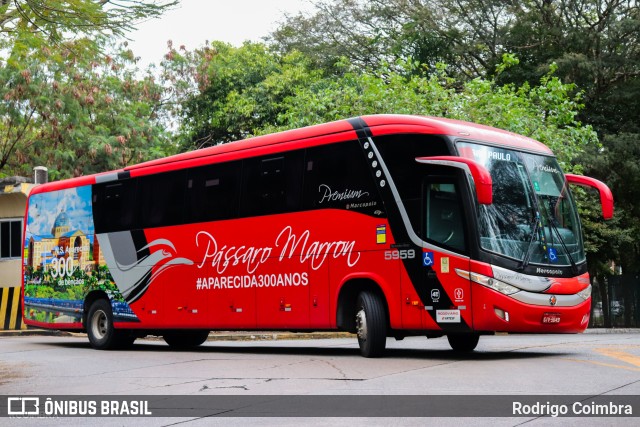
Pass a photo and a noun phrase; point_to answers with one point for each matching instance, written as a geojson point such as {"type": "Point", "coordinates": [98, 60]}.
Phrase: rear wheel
{"type": "Point", "coordinates": [371, 324]}
{"type": "Point", "coordinates": [463, 342]}
{"type": "Point", "coordinates": [185, 339]}
{"type": "Point", "coordinates": [102, 335]}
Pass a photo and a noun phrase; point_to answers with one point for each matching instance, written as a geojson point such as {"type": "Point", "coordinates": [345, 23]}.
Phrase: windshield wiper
{"type": "Point", "coordinates": [527, 255]}
{"type": "Point", "coordinates": [553, 227]}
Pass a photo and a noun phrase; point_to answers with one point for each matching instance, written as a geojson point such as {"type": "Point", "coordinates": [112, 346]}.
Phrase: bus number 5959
{"type": "Point", "coordinates": [396, 254]}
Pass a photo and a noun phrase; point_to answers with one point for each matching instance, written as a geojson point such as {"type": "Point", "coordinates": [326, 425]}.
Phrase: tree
{"type": "Point", "coordinates": [546, 112]}
{"type": "Point", "coordinates": [40, 23]}
{"type": "Point", "coordinates": [252, 90]}
{"type": "Point", "coordinates": [65, 103]}
{"type": "Point", "coordinates": [616, 160]}
{"type": "Point", "coordinates": [362, 31]}
{"type": "Point", "coordinates": [595, 44]}
{"type": "Point", "coordinates": [78, 115]}
{"type": "Point", "coordinates": [223, 93]}
{"type": "Point", "coordinates": [466, 34]}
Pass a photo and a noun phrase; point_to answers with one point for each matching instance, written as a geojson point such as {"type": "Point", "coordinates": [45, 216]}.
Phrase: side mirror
{"type": "Point", "coordinates": [606, 197]}
{"type": "Point", "coordinates": [481, 177]}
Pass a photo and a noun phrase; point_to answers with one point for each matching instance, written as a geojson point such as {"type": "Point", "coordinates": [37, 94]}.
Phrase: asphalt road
{"type": "Point", "coordinates": [588, 364]}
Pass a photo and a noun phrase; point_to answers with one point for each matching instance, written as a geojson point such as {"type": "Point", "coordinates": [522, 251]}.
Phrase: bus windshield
{"type": "Point", "coordinates": [533, 218]}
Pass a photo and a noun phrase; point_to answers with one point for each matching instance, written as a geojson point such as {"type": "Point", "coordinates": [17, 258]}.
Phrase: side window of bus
{"type": "Point", "coordinates": [213, 192]}
{"type": "Point", "coordinates": [337, 176]}
{"type": "Point", "coordinates": [444, 223]}
{"type": "Point", "coordinates": [113, 204]}
{"type": "Point", "coordinates": [399, 153]}
{"type": "Point", "coordinates": [272, 184]}
{"type": "Point", "coordinates": [161, 199]}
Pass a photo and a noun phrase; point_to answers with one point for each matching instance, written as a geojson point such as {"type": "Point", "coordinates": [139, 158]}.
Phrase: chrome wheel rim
{"type": "Point", "coordinates": [99, 324]}
{"type": "Point", "coordinates": [361, 324]}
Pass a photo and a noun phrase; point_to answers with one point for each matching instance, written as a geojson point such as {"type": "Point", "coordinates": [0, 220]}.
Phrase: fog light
{"type": "Point", "coordinates": [585, 319]}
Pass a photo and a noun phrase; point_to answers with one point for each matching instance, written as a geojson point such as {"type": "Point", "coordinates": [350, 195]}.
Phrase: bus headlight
{"type": "Point", "coordinates": [585, 294]}
{"type": "Point", "coordinates": [489, 282]}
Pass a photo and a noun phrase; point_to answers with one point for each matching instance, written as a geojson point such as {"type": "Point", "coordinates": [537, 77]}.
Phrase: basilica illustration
{"type": "Point", "coordinates": [64, 242]}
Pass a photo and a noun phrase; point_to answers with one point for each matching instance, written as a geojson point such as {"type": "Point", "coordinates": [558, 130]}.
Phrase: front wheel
{"type": "Point", "coordinates": [185, 339]}
{"type": "Point", "coordinates": [463, 342]}
{"type": "Point", "coordinates": [371, 324]}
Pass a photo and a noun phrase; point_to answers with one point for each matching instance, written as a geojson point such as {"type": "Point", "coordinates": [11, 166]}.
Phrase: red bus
{"type": "Point", "coordinates": [383, 226]}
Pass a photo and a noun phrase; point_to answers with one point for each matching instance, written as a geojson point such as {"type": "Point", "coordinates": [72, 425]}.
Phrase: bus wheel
{"type": "Point", "coordinates": [371, 324]}
{"type": "Point", "coordinates": [185, 339]}
{"type": "Point", "coordinates": [102, 334]}
{"type": "Point", "coordinates": [463, 342]}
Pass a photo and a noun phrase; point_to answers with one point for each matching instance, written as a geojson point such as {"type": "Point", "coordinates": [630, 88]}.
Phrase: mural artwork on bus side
{"type": "Point", "coordinates": [63, 261]}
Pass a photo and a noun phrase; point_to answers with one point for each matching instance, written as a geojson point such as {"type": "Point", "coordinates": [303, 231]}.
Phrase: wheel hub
{"type": "Point", "coordinates": [361, 325]}
{"type": "Point", "coordinates": [99, 324]}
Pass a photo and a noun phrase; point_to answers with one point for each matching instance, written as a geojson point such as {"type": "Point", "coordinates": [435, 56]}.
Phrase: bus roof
{"type": "Point", "coordinates": [379, 125]}
{"type": "Point", "coordinates": [383, 124]}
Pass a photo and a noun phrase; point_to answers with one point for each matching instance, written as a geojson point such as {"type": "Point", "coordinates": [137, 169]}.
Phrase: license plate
{"type": "Point", "coordinates": [551, 318]}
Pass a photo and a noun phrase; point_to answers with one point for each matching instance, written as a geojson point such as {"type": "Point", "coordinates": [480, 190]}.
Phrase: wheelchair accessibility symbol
{"type": "Point", "coordinates": [427, 259]}
{"type": "Point", "coordinates": [553, 255]}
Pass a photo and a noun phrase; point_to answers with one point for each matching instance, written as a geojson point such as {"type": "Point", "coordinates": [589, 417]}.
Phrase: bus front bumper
{"type": "Point", "coordinates": [528, 312]}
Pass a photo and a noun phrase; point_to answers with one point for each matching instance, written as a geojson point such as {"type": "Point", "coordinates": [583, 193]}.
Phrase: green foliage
{"type": "Point", "coordinates": [65, 104]}
{"type": "Point", "coordinates": [238, 92]}
{"type": "Point", "coordinates": [617, 160]}
{"type": "Point", "coordinates": [78, 115]}
{"type": "Point", "coordinates": [230, 93]}
{"type": "Point", "coordinates": [594, 43]}
{"type": "Point", "coordinates": [546, 112]}
{"type": "Point", "coordinates": [30, 25]}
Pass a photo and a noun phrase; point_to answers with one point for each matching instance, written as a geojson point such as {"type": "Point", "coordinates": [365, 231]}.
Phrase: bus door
{"type": "Point", "coordinates": [448, 300]}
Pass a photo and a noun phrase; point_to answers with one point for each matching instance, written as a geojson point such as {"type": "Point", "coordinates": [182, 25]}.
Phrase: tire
{"type": "Point", "coordinates": [371, 324]}
{"type": "Point", "coordinates": [102, 335]}
{"type": "Point", "coordinates": [463, 342]}
{"type": "Point", "coordinates": [186, 339]}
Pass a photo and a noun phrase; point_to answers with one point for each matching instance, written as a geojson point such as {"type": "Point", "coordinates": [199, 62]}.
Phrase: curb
{"type": "Point", "coordinates": [213, 336]}
{"type": "Point", "coordinates": [274, 336]}
{"type": "Point", "coordinates": [34, 332]}
{"type": "Point", "coordinates": [612, 331]}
